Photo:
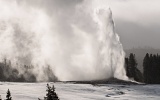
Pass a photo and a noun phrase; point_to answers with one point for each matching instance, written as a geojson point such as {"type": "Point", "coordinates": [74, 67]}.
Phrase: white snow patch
{"type": "Point", "coordinates": [69, 91]}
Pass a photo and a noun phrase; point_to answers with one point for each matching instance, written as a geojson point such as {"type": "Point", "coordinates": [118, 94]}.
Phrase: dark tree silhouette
{"type": "Point", "coordinates": [51, 94]}
{"type": "Point", "coordinates": [8, 96]}
{"type": "Point", "coordinates": [131, 68]}
{"type": "Point", "coordinates": [151, 67]}
{"type": "Point", "coordinates": [145, 68]}
{"type": "Point", "coordinates": [126, 66]}
{"type": "Point", "coordinates": [132, 65]}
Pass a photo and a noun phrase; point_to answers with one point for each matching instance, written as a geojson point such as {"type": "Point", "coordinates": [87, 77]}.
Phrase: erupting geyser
{"type": "Point", "coordinates": [111, 54]}
{"type": "Point", "coordinates": [76, 40]}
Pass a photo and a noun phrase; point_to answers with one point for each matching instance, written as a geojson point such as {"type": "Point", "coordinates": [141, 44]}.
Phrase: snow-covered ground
{"type": "Point", "coordinates": [69, 91]}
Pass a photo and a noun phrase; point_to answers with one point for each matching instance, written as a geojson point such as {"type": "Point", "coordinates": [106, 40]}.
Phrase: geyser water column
{"type": "Point", "coordinates": [111, 54]}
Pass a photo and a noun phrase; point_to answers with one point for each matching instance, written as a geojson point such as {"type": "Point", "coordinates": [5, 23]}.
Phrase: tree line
{"type": "Point", "coordinates": [12, 74]}
{"type": "Point", "coordinates": [151, 68]}
{"type": "Point", "coordinates": [22, 73]}
{"type": "Point", "coordinates": [150, 74]}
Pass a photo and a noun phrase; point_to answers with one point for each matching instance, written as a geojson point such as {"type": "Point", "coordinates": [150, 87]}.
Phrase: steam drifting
{"type": "Point", "coordinates": [75, 37]}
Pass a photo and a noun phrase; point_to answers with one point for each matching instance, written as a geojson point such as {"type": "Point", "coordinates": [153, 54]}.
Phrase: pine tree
{"type": "Point", "coordinates": [48, 92]}
{"type": "Point", "coordinates": [155, 70]}
{"type": "Point", "coordinates": [127, 67]}
{"type": "Point", "coordinates": [51, 94]}
{"type": "Point", "coordinates": [131, 68]}
{"type": "Point", "coordinates": [8, 96]}
{"type": "Point", "coordinates": [132, 65]}
{"type": "Point", "coordinates": [151, 68]}
{"type": "Point", "coordinates": [145, 68]}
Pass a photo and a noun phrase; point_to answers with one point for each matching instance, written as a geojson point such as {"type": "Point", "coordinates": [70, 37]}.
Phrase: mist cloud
{"type": "Point", "coordinates": [63, 34]}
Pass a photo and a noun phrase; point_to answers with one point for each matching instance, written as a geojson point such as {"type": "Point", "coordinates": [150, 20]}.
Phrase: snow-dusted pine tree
{"type": "Point", "coordinates": [51, 94]}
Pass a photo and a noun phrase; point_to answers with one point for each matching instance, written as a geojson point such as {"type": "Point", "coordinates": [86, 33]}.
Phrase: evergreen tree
{"type": "Point", "coordinates": [126, 66]}
{"type": "Point", "coordinates": [131, 68]}
{"type": "Point", "coordinates": [8, 96]}
{"type": "Point", "coordinates": [132, 65]}
{"type": "Point", "coordinates": [51, 94]}
{"type": "Point", "coordinates": [151, 67]}
{"type": "Point", "coordinates": [128, 69]}
{"type": "Point", "coordinates": [154, 74]}
{"type": "Point", "coordinates": [145, 68]}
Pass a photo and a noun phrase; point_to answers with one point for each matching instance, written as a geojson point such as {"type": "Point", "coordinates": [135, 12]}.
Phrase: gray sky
{"type": "Point", "coordinates": [137, 22]}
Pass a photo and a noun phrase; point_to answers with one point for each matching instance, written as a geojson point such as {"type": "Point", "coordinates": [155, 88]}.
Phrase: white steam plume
{"type": "Point", "coordinates": [77, 40]}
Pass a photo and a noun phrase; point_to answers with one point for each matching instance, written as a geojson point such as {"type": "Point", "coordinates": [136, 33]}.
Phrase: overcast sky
{"type": "Point", "coordinates": [137, 22]}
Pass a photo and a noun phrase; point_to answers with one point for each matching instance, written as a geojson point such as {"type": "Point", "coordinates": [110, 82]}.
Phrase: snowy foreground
{"type": "Point", "coordinates": [69, 91]}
